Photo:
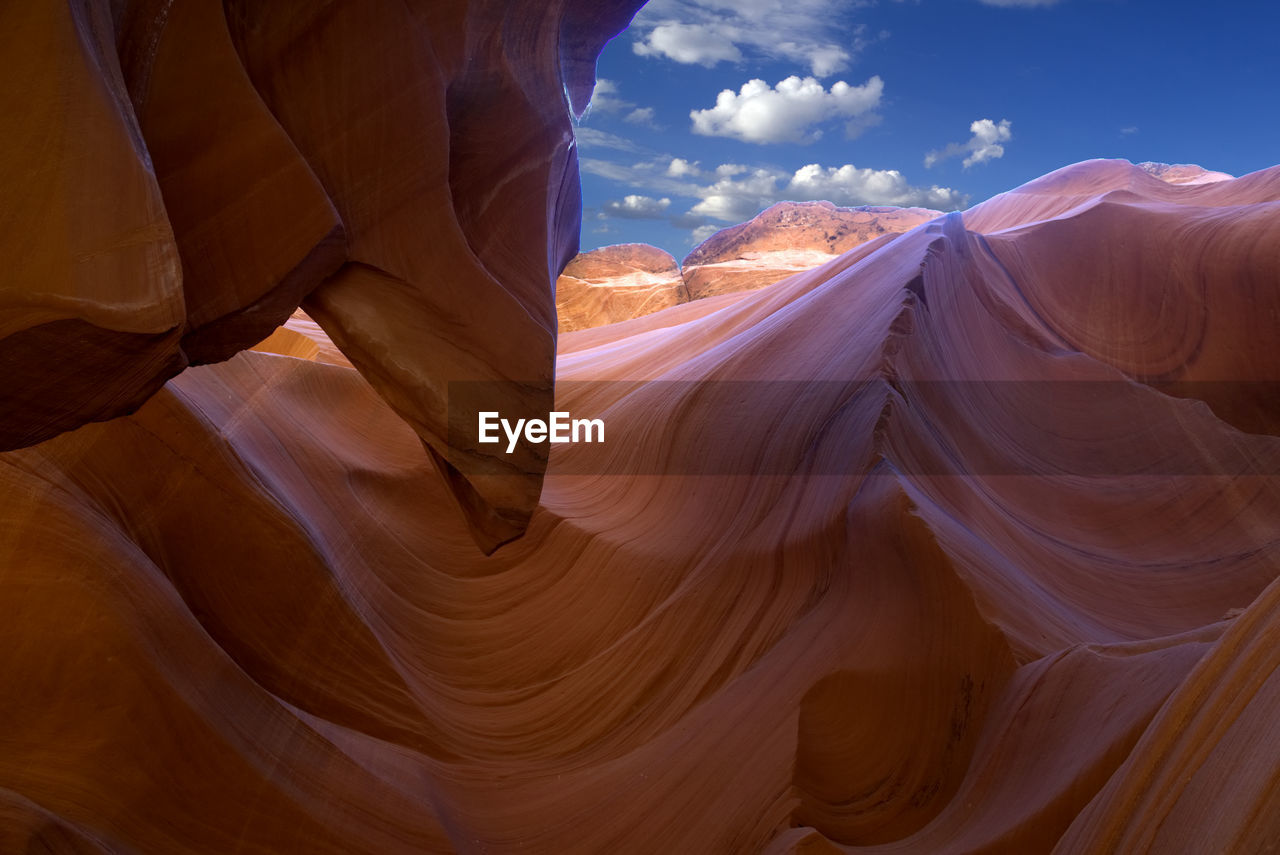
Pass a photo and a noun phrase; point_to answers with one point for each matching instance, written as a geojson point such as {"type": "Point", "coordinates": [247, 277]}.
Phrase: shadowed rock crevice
{"type": "Point", "coordinates": [884, 745]}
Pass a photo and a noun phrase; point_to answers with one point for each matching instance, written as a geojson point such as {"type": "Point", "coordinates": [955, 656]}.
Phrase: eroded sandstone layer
{"type": "Point", "coordinates": [617, 283]}
{"type": "Point", "coordinates": [787, 238]}
{"type": "Point", "coordinates": [180, 176]}
{"type": "Point", "coordinates": [914, 552]}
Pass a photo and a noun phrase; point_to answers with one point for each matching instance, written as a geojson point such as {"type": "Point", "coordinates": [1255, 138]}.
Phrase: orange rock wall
{"type": "Point", "coordinates": [182, 175]}
{"type": "Point", "coordinates": [992, 593]}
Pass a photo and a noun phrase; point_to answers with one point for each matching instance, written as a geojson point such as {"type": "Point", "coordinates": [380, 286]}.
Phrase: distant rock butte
{"type": "Point", "coordinates": [787, 238]}
{"type": "Point", "coordinates": [817, 226]}
{"type": "Point", "coordinates": [617, 283]}
{"type": "Point", "coordinates": [1183, 173]}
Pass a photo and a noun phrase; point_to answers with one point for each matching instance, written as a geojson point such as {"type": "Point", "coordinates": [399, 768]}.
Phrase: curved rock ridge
{"type": "Point", "coordinates": [1084, 184]}
{"type": "Point", "coordinates": [144, 234]}
{"type": "Point", "coordinates": [617, 283]}
{"type": "Point", "coordinates": [895, 555]}
{"type": "Point", "coordinates": [786, 238]}
{"type": "Point", "coordinates": [1201, 263]}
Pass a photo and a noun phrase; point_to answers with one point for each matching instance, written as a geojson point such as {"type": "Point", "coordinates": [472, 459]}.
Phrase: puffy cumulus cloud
{"type": "Point", "coordinates": [987, 143]}
{"type": "Point", "coordinates": [681, 168]}
{"type": "Point", "coordinates": [788, 112]}
{"type": "Point", "coordinates": [987, 138]}
{"type": "Point", "coordinates": [738, 197]}
{"type": "Point", "coordinates": [813, 33]}
{"type": "Point", "coordinates": [635, 207]}
{"type": "Point", "coordinates": [733, 193]}
{"type": "Point", "coordinates": [691, 44]}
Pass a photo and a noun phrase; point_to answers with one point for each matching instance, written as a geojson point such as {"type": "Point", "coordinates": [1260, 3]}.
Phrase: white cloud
{"type": "Point", "coordinates": [691, 44]}
{"type": "Point", "coordinates": [604, 168]}
{"type": "Point", "coordinates": [593, 138]}
{"type": "Point", "coordinates": [635, 207]}
{"type": "Point", "coordinates": [605, 98]}
{"type": "Point", "coordinates": [815, 33]}
{"type": "Point", "coordinates": [701, 233]}
{"type": "Point", "coordinates": [987, 138]}
{"type": "Point", "coordinates": [648, 176]}
{"type": "Point", "coordinates": [733, 193]}
{"type": "Point", "coordinates": [735, 198]}
{"type": "Point", "coordinates": [1129, 131]}
{"type": "Point", "coordinates": [681, 168]}
{"type": "Point", "coordinates": [640, 116]}
{"type": "Point", "coordinates": [788, 112]}
{"type": "Point", "coordinates": [985, 144]}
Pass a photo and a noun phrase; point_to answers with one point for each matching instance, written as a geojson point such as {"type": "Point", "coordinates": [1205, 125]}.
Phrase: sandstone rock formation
{"type": "Point", "coordinates": [787, 238]}
{"type": "Point", "coordinates": [616, 283]}
{"type": "Point", "coordinates": [180, 176]}
{"type": "Point", "coordinates": [949, 572]}
{"type": "Point", "coordinates": [1182, 173]}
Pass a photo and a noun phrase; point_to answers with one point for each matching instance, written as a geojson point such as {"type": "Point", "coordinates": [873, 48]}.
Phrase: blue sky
{"type": "Point", "coordinates": [710, 110]}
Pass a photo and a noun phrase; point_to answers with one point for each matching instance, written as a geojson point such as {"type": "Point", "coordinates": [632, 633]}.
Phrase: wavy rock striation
{"type": "Point", "coordinates": [407, 169]}
{"type": "Point", "coordinates": [908, 553]}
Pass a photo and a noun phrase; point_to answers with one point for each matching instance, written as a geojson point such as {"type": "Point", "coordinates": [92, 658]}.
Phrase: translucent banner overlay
{"type": "Point", "coordinates": [838, 427]}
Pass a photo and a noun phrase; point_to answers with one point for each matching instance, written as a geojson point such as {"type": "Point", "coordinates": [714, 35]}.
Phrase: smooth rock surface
{"type": "Point", "coordinates": [179, 177]}
{"type": "Point", "coordinates": [907, 553]}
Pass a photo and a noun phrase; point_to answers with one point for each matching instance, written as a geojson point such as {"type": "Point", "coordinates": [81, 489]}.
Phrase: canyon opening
{"type": "Point", "coordinates": [939, 511]}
